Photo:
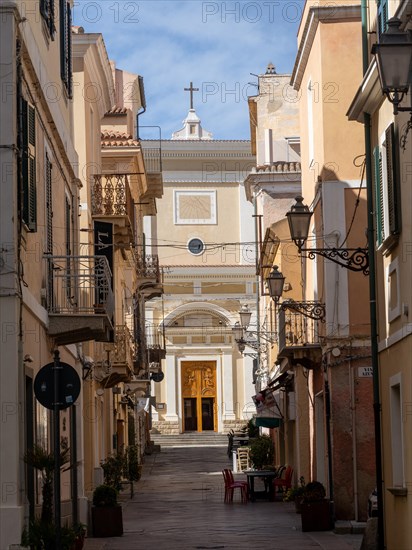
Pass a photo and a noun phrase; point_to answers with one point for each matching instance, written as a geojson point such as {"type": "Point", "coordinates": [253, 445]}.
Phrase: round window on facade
{"type": "Point", "coordinates": [196, 246]}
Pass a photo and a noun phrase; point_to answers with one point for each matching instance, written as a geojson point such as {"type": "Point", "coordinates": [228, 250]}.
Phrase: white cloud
{"type": "Point", "coordinates": [213, 44]}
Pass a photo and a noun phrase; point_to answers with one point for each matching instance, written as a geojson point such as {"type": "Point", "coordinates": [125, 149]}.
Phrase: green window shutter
{"type": "Point", "coordinates": [382, 17]}
{"type": "Point", "coordinates": [392, 181]}
{"type": "Point", "coordinates": [66, 46]}
{"type": "Point", "coordinates": [47, 12]}
{"type": "Point", "coordinates": [379, 211]}
{"type": "Point", "coordinates": [49, 207]}
{"type": "Point", "coordinates": [29, 191]}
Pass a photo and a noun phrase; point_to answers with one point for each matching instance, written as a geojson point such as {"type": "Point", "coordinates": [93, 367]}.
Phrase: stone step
{"type": "Point", "coordinates": [190, 439]}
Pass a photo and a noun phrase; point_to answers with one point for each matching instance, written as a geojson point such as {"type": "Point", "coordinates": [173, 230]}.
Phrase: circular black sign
{"type": "Point", "coordinates": [158, 376]}
{"type": "Point", "coordinates": [68, 386]}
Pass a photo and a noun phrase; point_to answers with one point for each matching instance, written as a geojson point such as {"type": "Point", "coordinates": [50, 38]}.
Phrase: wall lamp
{"type": "Point", "coordinates": [299, 216]}
{"type": "Point", "coordinates": [393, 56]}
{"type": "Point", "coordinates": [313, 309]}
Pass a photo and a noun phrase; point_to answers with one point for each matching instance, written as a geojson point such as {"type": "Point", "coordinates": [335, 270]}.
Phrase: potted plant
{"type": "Point", "coordinates": [295, 494]}
{"type": "Point", "coordinates": [79, 530]}
{"type": "Point", "coordinates": [41, 532]}
{"type": "Point", "coordinates": [106, 513]}
{"type": "Point", "coordinates": [316, 513]}
{"type": "Point", "coordinates": [41, 535]}
{"type": "Point", "coordinates": [113, 467]}
{"type": "Point", "coordinates": [262, 452]}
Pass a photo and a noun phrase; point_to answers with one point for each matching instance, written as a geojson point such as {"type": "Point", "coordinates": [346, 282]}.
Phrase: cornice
{"type": "Point", "coordinates": [369, 96]}
{"type": "Point", "coordinates": [92, 48]}
{"type": "Point", "coordinates": [319, 14]}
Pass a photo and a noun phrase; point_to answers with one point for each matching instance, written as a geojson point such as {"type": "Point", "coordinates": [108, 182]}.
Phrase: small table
{"type": "Point", "coordinates": [268, 476]}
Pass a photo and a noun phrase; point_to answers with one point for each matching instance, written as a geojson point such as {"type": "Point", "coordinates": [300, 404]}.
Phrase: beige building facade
{"type": "Point", "coordinates": [40, 177]}
{"type": "Point", "coordinates": [205, 239]}
{"type": "Point", "coordinates": [71, 271]}
{"type": "Point", "coordinates": [390, 155]}
{"type": "Point", "coordinates": [338, 367]}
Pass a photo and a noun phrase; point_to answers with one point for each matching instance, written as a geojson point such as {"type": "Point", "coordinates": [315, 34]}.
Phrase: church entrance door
{"type": "Point", "coordinates": [199, 396]}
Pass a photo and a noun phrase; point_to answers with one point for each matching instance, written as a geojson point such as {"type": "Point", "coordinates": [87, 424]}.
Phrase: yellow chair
{"type": "Point", "coordinates": [243, 459]}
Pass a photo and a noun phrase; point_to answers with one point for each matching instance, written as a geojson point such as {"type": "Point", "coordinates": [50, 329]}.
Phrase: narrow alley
{"type": "Point", "coordinates": [178, 505]}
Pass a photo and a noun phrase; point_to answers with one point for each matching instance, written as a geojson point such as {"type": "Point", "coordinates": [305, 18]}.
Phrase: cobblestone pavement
{"type": "Point", "coordinates": [178, 505]}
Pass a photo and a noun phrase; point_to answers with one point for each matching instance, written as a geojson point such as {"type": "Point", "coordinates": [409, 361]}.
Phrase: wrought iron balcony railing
{"type": "Point", "coordinates": [296, 330]}
{"type": "Point", "coordinates": [79, 298]}
{"type": "Point", "coordinates": [147, 267]}
{"type": "Point", "coordinates": [152, 154]}
{"type": "Point", "coordinates": [111, 197]}
{"type": "Point", "coordinates": [124, 350]}
{"type": "Point", "coordinates": [155, 344]}
{"type": "Point", "coordinates": [79, 284]}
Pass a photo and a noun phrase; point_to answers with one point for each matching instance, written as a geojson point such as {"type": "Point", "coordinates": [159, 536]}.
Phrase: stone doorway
{"type": "Point", "coordinates": [199, 396]}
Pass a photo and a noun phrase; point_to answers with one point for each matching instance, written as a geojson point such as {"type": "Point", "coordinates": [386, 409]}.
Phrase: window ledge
{"type": "Point", "coordinates": [398, 491]}
{"type": "Point", "coordinates": [389, 244]}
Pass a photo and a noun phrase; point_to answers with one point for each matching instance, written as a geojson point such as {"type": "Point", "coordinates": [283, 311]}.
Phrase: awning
{"type": "Point", "coordinates": [264, 422]}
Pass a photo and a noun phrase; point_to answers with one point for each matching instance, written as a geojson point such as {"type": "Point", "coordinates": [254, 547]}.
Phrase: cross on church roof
{"type": "Point", "coordinates": [191, 90]}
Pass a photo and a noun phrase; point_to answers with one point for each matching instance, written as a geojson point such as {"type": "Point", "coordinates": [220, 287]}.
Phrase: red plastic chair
{"type": "Point", "coordinates": [231, 485]}
{"type": "Point", "coordinates": [284, 483]}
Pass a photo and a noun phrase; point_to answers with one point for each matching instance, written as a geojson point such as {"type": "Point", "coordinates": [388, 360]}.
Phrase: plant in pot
{"type": "Point", "coordinates": [113, 467]}
{"type": "Point", "coordinates": [41, 532]}
{"type": "Point", "coordinates": [106, 512]}
{"type": "Point", "coordinates": [79, 530]}
{"type": "Point", "coordinates": [262, 452]}
{"type": "Point", "coordinates": [295, 494]}
{"type": "Point", "coordinates": [316, 513]}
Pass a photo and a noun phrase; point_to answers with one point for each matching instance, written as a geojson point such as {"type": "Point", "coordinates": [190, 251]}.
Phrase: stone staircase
{"type": "Point", "coordinates": [190, 439]}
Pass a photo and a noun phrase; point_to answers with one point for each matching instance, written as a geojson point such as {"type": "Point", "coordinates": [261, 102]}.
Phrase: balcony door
{"type": "Point", "coordinates": [199, 396]}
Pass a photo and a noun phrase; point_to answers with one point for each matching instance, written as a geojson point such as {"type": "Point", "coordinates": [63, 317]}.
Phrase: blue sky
{"type": "Point", "coordinates": [214, 44]}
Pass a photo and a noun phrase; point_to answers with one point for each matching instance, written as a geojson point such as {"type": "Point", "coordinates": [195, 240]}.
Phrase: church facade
{"type": "Point", "coordinates": [204, 235]}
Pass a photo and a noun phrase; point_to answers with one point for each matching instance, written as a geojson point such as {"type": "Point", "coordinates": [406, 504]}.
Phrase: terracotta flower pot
{"type": "Point", "coordinates": [107, 521]}
{"type": "Point", "coordinates": [316, 516]}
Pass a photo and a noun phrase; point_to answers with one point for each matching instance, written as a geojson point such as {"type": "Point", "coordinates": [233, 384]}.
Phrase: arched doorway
{"type": "Point", "coordinates": [199, 396]}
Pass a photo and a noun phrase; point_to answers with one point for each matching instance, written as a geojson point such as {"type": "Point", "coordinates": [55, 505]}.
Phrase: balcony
{"type": "Point", "coordinates": [152, 155]}
{"type": "Point", "coordinates": [299, 338]}
{"type": "Point", "coordinates": [121, 356]}
{"type": "Point", "coordinates": [148, 274]}
{"type": "Point", "coordinates": [112, 202]}
{"type": "Point", "coordinates": [79, 299]}
{"type": "Point", "coordinates": [155, 344]}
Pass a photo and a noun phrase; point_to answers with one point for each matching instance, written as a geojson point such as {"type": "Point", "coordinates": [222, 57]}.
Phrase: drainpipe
{"type": "Point", "coordinates": [354, 441]}
{"type": "Point", "coordinates": [372, 291]}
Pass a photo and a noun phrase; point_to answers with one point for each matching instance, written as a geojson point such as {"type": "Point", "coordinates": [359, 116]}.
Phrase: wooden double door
{"type": "Point", "coordinates": [199, 396]}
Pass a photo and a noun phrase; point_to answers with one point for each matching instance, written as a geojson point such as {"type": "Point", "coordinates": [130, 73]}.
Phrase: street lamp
{"type": "Point", "coordinates": [299, 216]}
{"type": "Point", "coordinates": [312, 309]}
{"type": "Point", "coordinates": [393, 56]}
{"type": "Point", "coordinates": [275, 282]}
{"type": "Point", "coordinates": [245, 315]}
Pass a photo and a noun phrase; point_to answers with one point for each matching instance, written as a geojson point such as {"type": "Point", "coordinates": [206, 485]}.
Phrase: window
{"type": "Point", "coordinates": [29, 192]}
{"type": "Point", "coordinates": [387, 200]}
{"type": "Point", "coordinates": [382, 16]}
{"type": "Point", "coordinates": [47, 12]}
{"type": "Point", "coordinates": [49, 206]}
{"type": "Point", "coordinates": [396, 431]}
{"type": "Point", "coordinates": [49, 228]}
{"type": "Point", "coordinates": [196, 246]}
{"type": "Point", "coordinates": [393, 291]}
{"type": "Point", "coordinates": [66, 46]}
{"type": "Point", "coordinates": [311, 98]}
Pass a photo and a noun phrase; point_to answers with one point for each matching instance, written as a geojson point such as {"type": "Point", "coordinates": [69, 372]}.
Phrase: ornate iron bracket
{"type": "Point", "coordinates": [355, 259]}
{"type": "Point", "coordinates": [314, 310]}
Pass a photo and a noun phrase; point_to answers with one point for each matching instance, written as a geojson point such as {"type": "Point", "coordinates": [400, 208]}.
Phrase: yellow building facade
{"type": "Point", "coordinates": [390, 154]}
{"type": "Point", "coordinates": [204, 235]}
